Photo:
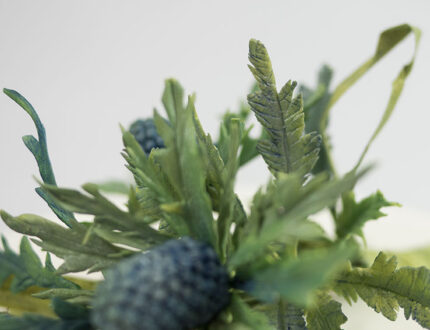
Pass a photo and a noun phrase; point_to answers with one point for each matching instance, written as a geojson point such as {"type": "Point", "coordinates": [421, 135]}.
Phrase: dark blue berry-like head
{"type": "Point", "coordinates": [145, 132]}
{"type": "Point", "coordinates": [178, 285]}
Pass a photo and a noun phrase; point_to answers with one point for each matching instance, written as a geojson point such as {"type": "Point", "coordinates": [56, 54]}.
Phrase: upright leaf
{"type": "Point", "coordinates": [228, 197]}
{"type": "Point", "coordinates": [193, 175]}
{"type": "Point", "coordinates": [315, 103]}
{"type": "Point", "coordinates": [39, 149]}
{"type": "Point", "coordinates": [288, 149]}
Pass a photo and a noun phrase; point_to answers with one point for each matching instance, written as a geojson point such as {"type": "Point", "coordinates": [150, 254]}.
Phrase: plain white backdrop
{"type": "Point", "coordinates": [87, 66]}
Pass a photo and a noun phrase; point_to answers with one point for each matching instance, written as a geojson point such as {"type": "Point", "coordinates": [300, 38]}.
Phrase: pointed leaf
{"type": "Point", "coordinates": [288, 149]}
{"type": "Point", "coordinates": [355, 214]}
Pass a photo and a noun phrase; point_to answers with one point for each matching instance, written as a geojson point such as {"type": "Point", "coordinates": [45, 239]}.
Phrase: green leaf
{"type": "Point", "coordinates": [228, 197]}
{"type": "Point", "coordinates": [220, 176]}
{"type": "Point", "coordinates": [325, 314]}
{"type": "Point", "coordinates": [95, 253]}
{"type": "Point", "coordinates": [316, 100]}
{"type": "Point", "coordinates": [355, 214]}
{"type": "Point", "coordinates": [297, 204]}
{"type": "Point", "coordinates": [156, 187]}
{"type": "Point", "coordinates": [193, 175]}
{"type": "Point", "coordinates": [295, 279]}
{"type": "Point", "coordinates": [388, 40]}
{"type": "Point", "coordinates": [248, 144]}
{"type": "Point", "coordinates": [23, 302]}
{"type": "Point", "coordinates": [315, 103]}
{"type": "Point", "coordinates": [176, 175]}
{"type": "Point", "coordinates": [244, 314]}
{"type": "Point", "coordinates": [249, 148]}
{"type": "Point", "coordinates": [411, 257]}
{"type": "Point", "coordinates": [105, 211]}
{"type": "Point", "coordinates": [27, 270]}
{"type": "Point", "coordinates": [37, 322]}
{"type": "Point", "coordinates": [69, 311]}
{"type": "Point", "coordinates": [64, 294]}
{"type": "Point", "coordinates": [288, 149]}
{"type": "Point", "coordinates": [172, 99]}
{"type": "Point", "coordinates": [39, 149]}
{"type": "Point", "coordinates": [385, 288]}
{"type": "Point", "coordinates": [114, 187]}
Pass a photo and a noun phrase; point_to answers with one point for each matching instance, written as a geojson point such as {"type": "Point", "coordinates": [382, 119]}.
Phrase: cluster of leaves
{"type": "Point", "coordinates": [284, 267]}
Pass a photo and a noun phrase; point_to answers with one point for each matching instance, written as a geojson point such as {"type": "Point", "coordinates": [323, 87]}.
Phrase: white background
{"type": "Point", "coordinates": [87, 66]}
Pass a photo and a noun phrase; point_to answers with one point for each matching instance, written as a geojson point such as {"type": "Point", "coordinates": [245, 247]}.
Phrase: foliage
{"type": "Point", "coordinates": [283, 266]}
{"type": "Point", "coordinates": [385, 288]}
{"type": "Point", "coordinates": [287, 150]}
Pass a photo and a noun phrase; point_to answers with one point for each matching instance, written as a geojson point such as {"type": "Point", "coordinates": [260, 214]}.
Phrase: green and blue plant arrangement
{"type": "Point", "coordinates": [185, 253]}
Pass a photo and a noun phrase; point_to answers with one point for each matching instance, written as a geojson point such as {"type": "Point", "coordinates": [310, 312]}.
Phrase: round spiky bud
{"type": "Point", "coordinates": [145, 132]}
{"type": "Point", "coordinates": [177, 285]}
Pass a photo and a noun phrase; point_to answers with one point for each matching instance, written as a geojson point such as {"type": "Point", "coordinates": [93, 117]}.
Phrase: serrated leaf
{"type": "Point", "coordinates": [325, 314]}
{"type": "Point", "coordinates": [355, 214]}
{"type": "Point", "coordinates": [288, 149]}
{"type": "Point", "coordinates": [385, 288]}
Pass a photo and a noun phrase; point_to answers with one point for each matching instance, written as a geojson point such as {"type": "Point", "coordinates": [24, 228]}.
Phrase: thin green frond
{"type": "Point", "coordinates": [288, 148]}
{"type": "Point", "coordinates": [39, 149]}
{"type": "Point", "coordinates": [385, 288]}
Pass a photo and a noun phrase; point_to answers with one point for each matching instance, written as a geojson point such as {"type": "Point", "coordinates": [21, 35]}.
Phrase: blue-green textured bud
{"type": "Point", "coordinates": [145, 132]}
{"type": "Point", "coordinates": [177, 285]}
